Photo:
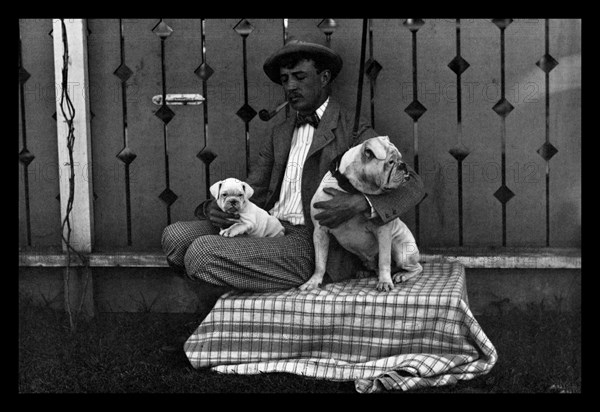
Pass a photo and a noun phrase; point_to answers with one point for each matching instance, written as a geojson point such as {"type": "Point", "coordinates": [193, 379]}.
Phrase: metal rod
{"type": "Point", "coordinates": [205, 106]}
{"type": "Point", "coordinates": [164, 94]}
{"type": "Point", "coordinates": [24, 140]}
{"type": "Point", "coordinates": [360, 75]}
{"type": "Point", "coordinates": [246, 125]}
{"type": "Point", "coordinates": [547, 128]}
{"type": "Point", "coordinates": [372, 80]}
{"type": "Point", "coordinates": [125, 137]}
{"type": "Point", "coordinates": [459, 138]}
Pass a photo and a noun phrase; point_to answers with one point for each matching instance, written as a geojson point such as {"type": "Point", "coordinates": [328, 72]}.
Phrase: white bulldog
{"type": "Point", "coordinates": [373, 167]}
{"type": "Point", "coordinates": [232, 196]}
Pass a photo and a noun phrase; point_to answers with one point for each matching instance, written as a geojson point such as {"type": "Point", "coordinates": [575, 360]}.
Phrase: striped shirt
{"type": "Point", "coordinates": [289, 206]}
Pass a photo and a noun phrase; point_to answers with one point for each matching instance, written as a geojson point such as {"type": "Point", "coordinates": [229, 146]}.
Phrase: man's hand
{"type": "Point", "coordinates": [340, 208]}
{"type": "Point", "coordinates": [219, 218]}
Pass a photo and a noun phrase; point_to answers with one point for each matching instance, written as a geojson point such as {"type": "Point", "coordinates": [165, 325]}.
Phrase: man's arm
{"type": "Point", "coordinates": [399, 201]}
{"type": "Point", "coordinates": [342, 206]}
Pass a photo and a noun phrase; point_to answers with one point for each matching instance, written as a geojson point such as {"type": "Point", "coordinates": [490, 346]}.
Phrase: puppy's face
{"type": "Point", "coordinates": [376, 166]}
{"type": "Point", "coordinates": [231, 194]}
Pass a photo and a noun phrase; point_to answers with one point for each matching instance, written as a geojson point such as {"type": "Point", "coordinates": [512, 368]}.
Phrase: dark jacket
{"type": "Point", "coordinates": [333, 137]}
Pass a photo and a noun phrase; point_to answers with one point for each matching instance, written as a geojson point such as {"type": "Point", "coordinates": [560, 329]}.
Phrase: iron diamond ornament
{"type": "Point", "coordinates": [502, 23]}
{"type": "Point", "coordinates": [372, 69]}
{"type": "Point", "coordinates": [123, 72]}
{"type": "Point", "coordinates": [246, 113]}
{"type": "Point", "coordinates": [327, 26]}
{"type": "Point", "coordinates": [459, 152]}
{"type": "Point", "coordinates": [162, 30]}
{"type": "Point", "coordinates": [415, 110]}
{"type": "Point", "coordinates": [414, 24]}
{"type": "Point", "coordinates": [504, 194]}
{"type": "Point", "coordinates": [458, 65]}
{"type": "Point", "coordinates": [23, 75]}
{"type": "Point", "coordinates": [26, 157]}
{"type": "Point", "coordinates": [168, 196]}
{"type": "Point", "coordinates": [243, 28]}
{"type": "Point", "coordinates": [165, 114]}
{"type": "Point", "coordinates": [547, 151]}
{"type": "Point", "coordinates": [547, 63]}
{"type": "Point", "coordinates": [503, 107]}
{"type": "Point", "coordinates": [204, 71]}
{"type": "Point", "coordinates": [126, 155]}
{"type": "Point", "coordinates": [206, 155]}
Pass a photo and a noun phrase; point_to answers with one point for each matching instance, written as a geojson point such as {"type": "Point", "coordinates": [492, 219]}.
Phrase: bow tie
{"type": "Point", "coordinates": [311, 119]}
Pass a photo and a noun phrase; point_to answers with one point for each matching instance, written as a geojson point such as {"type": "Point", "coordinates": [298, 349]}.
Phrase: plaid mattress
{"type": "Point", "coordinates": [420, 334]}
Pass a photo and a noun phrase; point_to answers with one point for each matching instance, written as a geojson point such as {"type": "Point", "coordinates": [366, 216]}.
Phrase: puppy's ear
{"type": "Point", "coordinates": [248, 190]}
{"type": "Point", "coordinates": [215, 189]}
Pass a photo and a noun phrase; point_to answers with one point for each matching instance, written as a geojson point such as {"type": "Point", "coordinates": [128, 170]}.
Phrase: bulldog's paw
{"type": "Point", "coordinates": [385, 283]}
{"type": "Point", "coordinates": [385, 286]}
{"type": "Point", "coordinates": [310, 284]}
{"type": "Point", "coordinates": [225, 233]}
{"type": "Point", "coordinates": [398, 278]}
{"type": "Point", "coordinates": [233, 231]}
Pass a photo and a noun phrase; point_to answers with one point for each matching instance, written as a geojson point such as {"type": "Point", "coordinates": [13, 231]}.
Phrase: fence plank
{"type": "Point", "coordinates": [394, 89]}
{"type": "Point", "coordinates": [186, 130]}
{"type": "Point", "coordinates": [21, 197]}
{"type": "Point", "coordinates": [226, 131]}
{"type": "Point", "coordinates": [107, 134]}
{"type": "Point", "coordinates": [148, 212]}
{"type": "Point", "coordinates": [79, 231]}
{"type": "Point", "coordinates": [40, 105]}
{"type": "Point", "coordinates": [346, 40]}
{"type": "Point", "coordinates": [525, 169]}
{"type": "Point", "coordinates": [262, 92]}
{"type": "Point", "coordinates": [437, 133]}
{"type": "Point", "coordinates": [481, 128]}
{"type": "Point", "coordinates": [81, 218]}
{"type": "Point", "coordinates": [565, 133]}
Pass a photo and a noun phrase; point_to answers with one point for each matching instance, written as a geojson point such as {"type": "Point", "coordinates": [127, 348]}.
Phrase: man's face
{"type": "Point", "coordinates": [304, 87]}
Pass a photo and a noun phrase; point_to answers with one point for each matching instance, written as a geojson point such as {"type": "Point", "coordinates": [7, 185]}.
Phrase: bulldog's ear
{"type": "Point", "coordinates": [386, 138]}
{"type": "Point", "coordinates": [248, 190]}
{"type": "Point", "coordinates": [215, 189]}
{"type": "Point", "coordinates": [375, 148]}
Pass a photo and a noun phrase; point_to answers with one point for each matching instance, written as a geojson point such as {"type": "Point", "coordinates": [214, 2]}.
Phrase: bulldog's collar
{"type": "Point", "coordinates": [343, 182]}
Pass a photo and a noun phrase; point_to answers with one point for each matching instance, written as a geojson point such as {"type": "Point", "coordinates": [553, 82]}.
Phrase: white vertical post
{"type": "Point", "coordinates": [78, 281]}
{"type": "Point", "coordinates": [82, 213]}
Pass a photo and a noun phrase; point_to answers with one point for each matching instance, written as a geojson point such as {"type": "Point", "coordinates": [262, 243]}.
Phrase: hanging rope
{"type": "Point", "coordinates": [68, 112]}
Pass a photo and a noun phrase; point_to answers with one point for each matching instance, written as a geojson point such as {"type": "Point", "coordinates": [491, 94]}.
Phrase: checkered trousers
{"type": "Point", "coordinates": [245, 263]}
{"type": "Point", "coordinates": [422, 333]}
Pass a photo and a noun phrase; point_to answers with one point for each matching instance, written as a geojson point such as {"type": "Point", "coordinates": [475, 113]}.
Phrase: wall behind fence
{"type": "Point", "coordinates": [150, 163]}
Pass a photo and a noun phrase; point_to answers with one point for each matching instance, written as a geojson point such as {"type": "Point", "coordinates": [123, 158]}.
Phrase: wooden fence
{"type": "Point", "coordinates": [487, 111]}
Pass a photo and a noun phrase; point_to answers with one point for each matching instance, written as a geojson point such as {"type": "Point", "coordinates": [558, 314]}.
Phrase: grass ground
{"type": "Point", "coordinates": [539, 352]}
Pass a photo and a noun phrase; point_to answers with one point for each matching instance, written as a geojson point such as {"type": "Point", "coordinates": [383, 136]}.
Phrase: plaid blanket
{"type": "Point", "coordinates": [420, 334]}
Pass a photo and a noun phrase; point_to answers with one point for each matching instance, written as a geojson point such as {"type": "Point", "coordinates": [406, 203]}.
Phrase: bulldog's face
{"type": "Point", "coordinates": [375, 166]}
{"type": "Point", "coordinates": [231, 194]}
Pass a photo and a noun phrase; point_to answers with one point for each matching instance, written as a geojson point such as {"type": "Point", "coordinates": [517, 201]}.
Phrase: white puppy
{"type": "Point", "coordinates": [373, 167]}
{"type": "Point", "coordinates": [232, 196]}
